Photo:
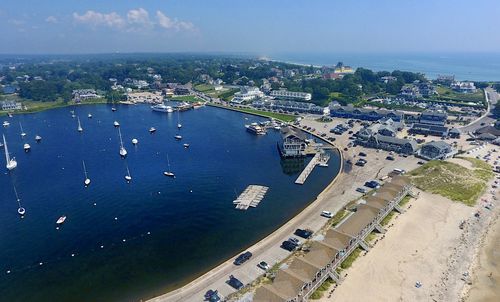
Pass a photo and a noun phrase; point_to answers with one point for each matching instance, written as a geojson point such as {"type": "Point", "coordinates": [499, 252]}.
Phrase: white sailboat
{"type": "Point", "coordinates": [179, 125]}
{"type": "Point", "coordinates": [27, 147]}
{"type": "Point", "coordinates": [23, 134]}
{"type": "Point", "coordinates": [38, 138]}
{"type": "Point", "coordinates": [11, 162]}
{"type": "Point", "coordinates": [89, 115]}
{"type": "Point", "coordinates": [80, 129]}
{"type": "Point", "coordinates": [116, 124]}
{"type": "Point", "coordinates": [86, 182]}
{"type": "Point", "coordinates": [123, 151]}
{"type": "Point", "coordinates": [168, 173]}
{"type": "Point", "coordinates": [135, 141]}
{"type": "Point", "coordinates": [20, 210]}
{"type": "Point", "coordinates": [128, 177]}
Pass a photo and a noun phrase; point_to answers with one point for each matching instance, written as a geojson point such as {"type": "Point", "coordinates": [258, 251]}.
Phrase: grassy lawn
{"type": "Point", "coordinates": [204, 87]}
{"type": "Point", "coordinates": [185, 98]}
{"type": "Point", "coordinates": [338, 217]}
{"type": "Point", "coordinates": [452, 180]}
{"type": "Point", "coordinates": [277, 116]}
{"type": "Point", "coordinates": [387, 218]}
{"type": "Point", "coordinates": [347, 263]}
{"type": "Point", "coordinates": [320, 291]}
{"type": "Point", "coordinates": [448, 94]}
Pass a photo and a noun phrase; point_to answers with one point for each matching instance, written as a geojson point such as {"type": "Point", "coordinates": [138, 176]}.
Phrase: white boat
{"type": "Point", "coordinates": [152, 130]}
{"type": "Point", "coordinates": [113, 109]}
{"type": "Point", "coordinates": [89, 116]}
{"type": "Point", "coordinates": [9, 114]}
{"type": "Point", "coordinates": [86, 182]}
{"type": "Point", "coordinates": [161, 108]}
{"type": "Point", "coordinates": [135, 141]}
{"type": "Point", "coordinates": [27, 147]}
{"type": "Point", "coordinates": [6, 124]}
{"type": "Point", "coordinates": [123, 151]}
{"type": "Point", "coordinates": [128, 177]}
{"type": "Point", "coordinates": [80, 129]}
{"type": "Point", "coordinates": [116, 124]}
{"type": "Point", "coordinates": [170, 109]}
{"type": "Point", "coordinates": [179, 125]}
{"type": "Point", "coordinates": [20, 210]}
{"type": "Point", "coordinates": [61, 220]}
{"type": "Point", "coordinates": [186, 145]}
{"type": "Point", "coordinates": [168, 173]}
{"type": "Point", "coordinates": [178, 137]}
{"type": "Point", "coordinates": [255, 129]}
{"type": "Point", "coordinates": [11, 162]}
{"type": "Point", "coordinates": [38, 138]}
{"type": "Point", "coordinates": [23, 134]}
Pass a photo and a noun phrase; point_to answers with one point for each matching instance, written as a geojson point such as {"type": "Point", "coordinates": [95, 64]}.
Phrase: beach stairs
{"type": "Point", "coordinates": [250, 197]}
{"type": "Point", "coordinates": [320, 158]}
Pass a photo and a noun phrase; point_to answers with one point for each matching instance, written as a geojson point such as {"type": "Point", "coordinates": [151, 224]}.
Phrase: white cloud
{"type": "Point", "coordinates": [136, 19]}
{"type": "Point", "coordinates": [168, 23]}
{"type": "Point", "coordinates": [95, 19]}
{"type": "Point", "coordinates": [51, 19]}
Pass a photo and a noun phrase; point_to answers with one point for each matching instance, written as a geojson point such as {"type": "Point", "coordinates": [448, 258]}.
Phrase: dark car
{"type": "Point", "coordinates": [242, 258]}
{"type": "Point", "coordinates": [306, 234]}
{"type": "Point", "coordinates": [362, 154]}
{"type": "Point", "coordinates": [212, 296]}
{"type": "Point", "coordinates": [389, 157]}
{"type": "Point", "coordinates": [234, 282]}
{"type": "Point", "coordinates": [360, 163]}
{"type": "Point", "coordinates": [288, 245]}
{"type": "Point", "coordinates": [372, 184]}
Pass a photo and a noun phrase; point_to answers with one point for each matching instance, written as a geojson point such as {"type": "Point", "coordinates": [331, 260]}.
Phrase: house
{"type": "Point", "coordinates": [463, 87]}
{"type": "Point", "coordinates": [80, 95]}
{"type": "Point", "coordinates": [293, 143]}
{"type": "Point", "coordinates": [291, 95]}
{"type": "Point", "coordinates": [454, 133]}
{"type": "Point", "coordinates": [246, 94]}
{"type": "Point", "coordinates": [11, 105]}
{"type": "Point", "coordinates": [433, 117]}
{"type": "Point", "coordinates": [350, 111]}
{"type": "Point", "coordinates": [436, 150]}
{"type": "Point", "coordinates": [388, 143]}
{"type": "Point", "coordinates": [428, 129]}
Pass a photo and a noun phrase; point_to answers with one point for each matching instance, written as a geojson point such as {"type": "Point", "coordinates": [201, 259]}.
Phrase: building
{"type": "Point", "coordinates": [388, 143]}
{"type": "Point", "coordinates": [454, 133]}
{"type": "Point", "coordinates": [430, 123]}
{"type": "Point", "coordinates": [385, 127]}
{"type": "Point", "coordinates": [84, 95]}
{"type": "Point", "coordinates": [445, 79]}
{"type": "Point", "coordinates": [463, 87]}
{"type": "Point", "coordinates": [291, 95]}
{"type": "Point", "coordinates": [145, 97]}
{"type": "Point", "coordinates": [436, 150]}
{"type": "Point", "coordinates": [11, 105]}
{"type": "Point", "coordinates": [247, 94]}
{"type": "Point", "coordinates": [321, 259]}
{"type": "Point", "coordinates": [293, 143]}
{"type": "Point", "coordinates": [350, 111]}
{"type": "Point", "coordinates": [432, 117]}
{"type": "Point", "coordinates": [289, 106]}
{"type": "Point", "coordinates": [182, 89]}
{"type": "Point", "coordinates": [343, 69]}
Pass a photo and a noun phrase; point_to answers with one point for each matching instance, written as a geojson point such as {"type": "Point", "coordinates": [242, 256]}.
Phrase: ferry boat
{"type": "Point", "coordinates": [162, 108]}
{"type": "Point", "coordinates": [61, 220]}
{"type": "Point", "coordinates": [255, 129]}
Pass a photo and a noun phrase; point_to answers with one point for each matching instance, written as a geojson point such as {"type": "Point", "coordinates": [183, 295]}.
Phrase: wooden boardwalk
{"type": "Point", "coordinates": [251, 197]}
{"type": "Point", "coordinates": [320, 159]}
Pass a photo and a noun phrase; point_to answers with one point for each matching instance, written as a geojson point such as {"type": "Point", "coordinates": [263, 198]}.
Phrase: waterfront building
{"type": "Point", "coordinates": [291, 95]}
{"type": "Point", "coordinates": [306, 273]}
{"type": "Point", "coordinates": [343, 69]}
{"type": "Point", "coordinates": [488, 129]}
{"type": "Point", "coordinates": [463, 87]}
{"type": "Point", "coordinates": [430, 122]}
{"type": "Point", "coordinates": [350, 111]}
{"type": "Point", "coordinates": [436, 150]}
{"type": "Point", "coordinates": [433, 117]}
{"type": "Point", "coordinates": [388, 143]}
{"type": "Point", "coordinates": [247, 94]}
{"type": "Point", "coordinates": [293, 143]}
{"type": "Point", "coordinates": [80, 95]}
{"type": "Point", "coordinates": [289, 106]}
{"type": "Point", "coordinates": [445, 79]}
{"type": "Point", "coordinates": [181, 89]}
{"type": "Point", "coordinates": [145, 97]}
{"type": "Point", "coordinates": [11, 105]}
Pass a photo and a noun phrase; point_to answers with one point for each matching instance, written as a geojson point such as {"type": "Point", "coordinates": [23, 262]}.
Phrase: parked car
{"type": "Point", "coordinates": [362, 190]}
{"type": "Point", "coordinates": [242, 258]}
{"type": "Point", "coordinates": [390, 157]}
{"type": "Point", "coordinates": [362, 154]}
{"type": "Point", "coordinates": [372, 184]}
{"type": "Point", "coordinates": [212, 296]}
{"type": "Point", "coordinates": [288, 245]}
{"type": "Point", "coordinates": [294, 240]}
{"type": "Point", "coordinates": [235, 283]}
{"type": "Point", "coordinates": [263, 265]}
{"type": "Point", "coordinates": [420, 162]}
{"type": "Point", "coordinates": [306, 234]}
{"type": "Point", "coordinates": [326, 214]}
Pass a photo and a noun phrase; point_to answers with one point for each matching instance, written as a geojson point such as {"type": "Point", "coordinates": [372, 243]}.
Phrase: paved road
{"type": "Point", "coordinates": [332, 199]}
{"type": "Point", "coordinates": [487, 118]}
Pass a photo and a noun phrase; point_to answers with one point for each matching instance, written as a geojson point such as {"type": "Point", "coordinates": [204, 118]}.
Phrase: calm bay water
{"type": "Point", "coordinates": [465, 66]}
{"type": "Point", "coordinates": [166, 231]}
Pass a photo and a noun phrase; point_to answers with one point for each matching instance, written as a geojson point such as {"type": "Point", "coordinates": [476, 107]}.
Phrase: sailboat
{"type": "Point", "coordinates": [23, 134]}
{"type": "Point", "coordinates": [38, 138]}
{"type": "Point", "coordinates": [80, 129]}
{"type": "Point", "coordinates": [11, 162]}
{"type": "Point", "coordinates": [27, 147]}
{"type": "Point", "coordinates": [179, 125]}
{"type": "Point", "coordinates": [123, 151]}
{"type": "Point", "coordinates": [86, 182]}
{"type": "Point", "coordinates": [20, 210]}
{"type": "Point", "coordinates": [168, 173]}
{"type": "Point", "coordinates": [135, 141]}
{"type": "Point", "coordinates": [89, 115]}
{"type": "Point", "coordinates": [116, 124]}
{"type": "Point", "coordinates": [128, 177]}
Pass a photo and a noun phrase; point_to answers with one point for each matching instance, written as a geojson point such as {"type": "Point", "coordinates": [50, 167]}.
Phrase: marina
{"type": "Point", "coordinates": [143, 227]}
{"type": "Point", "coordinates": [251, 197]}
{"type": "Point", "coordinates": [319, 159]}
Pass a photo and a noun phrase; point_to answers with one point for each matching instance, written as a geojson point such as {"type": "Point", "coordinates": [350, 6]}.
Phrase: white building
{"type": "Point", "coordinates": [293, 143]}
{"type": "Point", "coordinates": [291, 95]}
{"type": "Point", "coordinates": [11, 105]}
{"type": "Point", "coordinates": [84, 94]}
{"type": "Point", "coordinates": [464, 87]}
{"type": "Point", "coordinates": [247, 94]}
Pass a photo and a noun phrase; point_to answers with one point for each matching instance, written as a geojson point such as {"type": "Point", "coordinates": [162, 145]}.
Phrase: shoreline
{"type": "Point", "coordinates": [53, 106]}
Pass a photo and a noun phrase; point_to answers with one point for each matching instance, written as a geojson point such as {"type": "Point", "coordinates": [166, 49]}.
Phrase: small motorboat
{"type": "Point", "coordinates": [178, 137]}
{"type": "Point", "coordinates": [27, 147]}
{"type": "Point", "coordinates": [169, 174]}
{"type": "Point", "coordinates": [21, 211]}
{"type": "Point", "coordinates": [113, 109]}
{"type": "Point", "coordinates": [86, 182]}
{"type": "Point", "coordinates": [186, 145]}
{"type": "Point", "coordinates": [61, 220]}
{"type": "Point", "coordinates": [179, 126]}
{"type": "Point", "coordinates": [152, 130]}
{"type": "Point", "coordinates": [38, 138]}
{"type": "Point", "coordinates": [135, 141]}
{"type": "Point", "coordinates": [116, 124]}
{"type": "Point", "coordinates": [6, 124]}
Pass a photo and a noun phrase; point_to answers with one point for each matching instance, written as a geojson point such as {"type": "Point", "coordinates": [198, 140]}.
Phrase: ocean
{"type": "Point", "coordinates": [126, 242]}
{"type": "Point", "coordinates": [464, 66]}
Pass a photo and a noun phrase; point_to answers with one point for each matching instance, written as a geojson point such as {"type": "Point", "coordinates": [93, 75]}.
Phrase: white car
{"type": "Point", "coordinates": [327, 214]}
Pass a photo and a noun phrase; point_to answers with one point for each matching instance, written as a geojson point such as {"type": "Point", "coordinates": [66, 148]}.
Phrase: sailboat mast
{"type": "Point", "coordinates": [121, 140]}
{"type": "Point", "coordinates": [7, 157]}
{"type": "Point", "coordinates": [84, 169]}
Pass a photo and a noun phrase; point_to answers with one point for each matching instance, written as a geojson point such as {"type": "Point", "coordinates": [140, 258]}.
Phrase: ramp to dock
{"type": "Point", "coordinates": [251, 197]}
{"type": "Point", "coordinates": [320, 159]}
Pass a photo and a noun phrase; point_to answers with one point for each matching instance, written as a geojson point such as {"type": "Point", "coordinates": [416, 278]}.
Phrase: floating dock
{"type": "Point", "coordinates": [320, 158]}
{"type": "Point", "coordinates": [251, 197]}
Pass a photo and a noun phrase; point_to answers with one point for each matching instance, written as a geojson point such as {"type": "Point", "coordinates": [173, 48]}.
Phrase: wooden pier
{"type": "Point", "coordinates": [320, 158]}
{"type": "Point", "coordinates": [251, 197]}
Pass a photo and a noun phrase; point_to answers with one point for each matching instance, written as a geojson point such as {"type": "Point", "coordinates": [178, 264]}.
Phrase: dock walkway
{"type": "Point", "coordinates": [251, 197]}
{"type": "Point", "coordinates": [320, 159]}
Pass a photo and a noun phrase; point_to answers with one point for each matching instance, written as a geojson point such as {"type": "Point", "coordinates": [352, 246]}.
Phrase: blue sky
{"type": "Point", "coordinates": [256, 26]}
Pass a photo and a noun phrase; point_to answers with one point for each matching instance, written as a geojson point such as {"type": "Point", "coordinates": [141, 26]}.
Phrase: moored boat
{"type": "Point", "coordinates": [178, 137]}
{"type": "Point", "coordinates": [11, 162]}
{"type": "Point", "coordinates": [27, 147]}
{"type": "Point", "coordinates": [255, 129]}
{"type": "Point", "coordinates": [6, 124]}
{"type": "Point", "coordinates": [61, 220]}
{"type": "Point", "coordinates": [38, 138]}
{"type": "Point", "coordinates": [135, 141]}
{"type": "Point", "coordinates": [161, 108]}
{"type": "Point", "coordinates": [152, 130]}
